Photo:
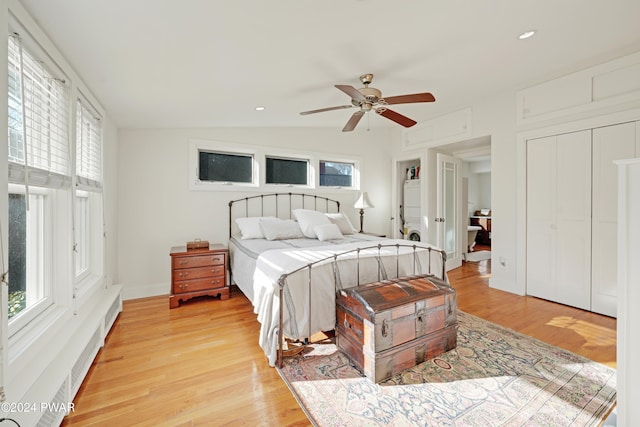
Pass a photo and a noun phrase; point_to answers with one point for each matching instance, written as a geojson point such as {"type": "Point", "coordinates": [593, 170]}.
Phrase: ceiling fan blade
{"type": "Point", "coordinates": [352, 92]}
{"type": "Point", "coordinates": [353, 121]}
{"type": "Point", "coordinates": [396, 117]}
{"type": "Point", "coordinates": [322, 110]}
{"type": "Point", "coordinates": [408, 99]}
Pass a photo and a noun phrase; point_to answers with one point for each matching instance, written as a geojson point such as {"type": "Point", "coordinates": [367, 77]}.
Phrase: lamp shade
{"type": "Point", "coordinates": [363, 201]}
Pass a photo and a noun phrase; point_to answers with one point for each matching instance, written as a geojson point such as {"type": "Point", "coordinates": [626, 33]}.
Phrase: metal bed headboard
{"type": "Point", "coordinates": [304, 201]}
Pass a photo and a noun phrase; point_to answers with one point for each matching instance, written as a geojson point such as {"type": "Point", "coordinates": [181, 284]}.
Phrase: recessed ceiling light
{"type": "Point", "coordinates": [526, 34]}
{"type": "Point", "coordinates": [259, 108]}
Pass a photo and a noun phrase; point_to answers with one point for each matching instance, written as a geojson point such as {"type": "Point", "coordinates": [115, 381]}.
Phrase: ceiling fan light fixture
{"type": "Point", "coordinates": [368, 98]}
{"type": "Point", "coordinates": [526, 34]}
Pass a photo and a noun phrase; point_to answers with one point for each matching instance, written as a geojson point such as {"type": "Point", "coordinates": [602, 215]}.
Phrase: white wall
{"type": "Point", "coordinates": [484, 190]}
{"type": "Point", "coordinates": [494, 117]}
{"type": "Point", "coordinates": [500, 118]}
{"type": "Point", "coordinates": [479, 185]}
{"type": "Point", "coordinates": [156, 209]}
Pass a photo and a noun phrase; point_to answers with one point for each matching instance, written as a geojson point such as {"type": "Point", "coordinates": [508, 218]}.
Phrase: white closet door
{"type": "Point", "coordinates": [573, 219]}
{"type": "Point", "coordinates": [609, 143]}
{"type": "Point", "coordinates": [541, 208]}
{"type": "Point", "coordinates": [559, 218]}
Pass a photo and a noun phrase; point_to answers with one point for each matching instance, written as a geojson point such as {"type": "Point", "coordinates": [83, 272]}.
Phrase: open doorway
{"type": "Point", "coordinates": [417, 215]}
{"type": "Point", "coordinates": [475, 173]}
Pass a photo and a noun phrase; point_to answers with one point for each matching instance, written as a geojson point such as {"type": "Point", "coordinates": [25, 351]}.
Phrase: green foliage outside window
{"type": "Point", "coordinates": [17, 302]}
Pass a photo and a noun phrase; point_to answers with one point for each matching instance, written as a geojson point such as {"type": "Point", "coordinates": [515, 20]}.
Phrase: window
{"type": "Point", "coordinates": [29, 284]}
{"type": "Point", "coordinates": [287, 171]}
{"type": "Point", "coordinates": [88, 247]}
{"type": "Point", "coordinates": [82, 232]}
{"type": "Point", "coordinates": [39, 171]}
{"type": "Point", "coordinates": [336, 174]}
{"type": "Point", "coordinates": [40, 119]}
{"type": "Point", "coordinates": [88, 147]}
{"type": "Point", "coordinates": [225, 167]}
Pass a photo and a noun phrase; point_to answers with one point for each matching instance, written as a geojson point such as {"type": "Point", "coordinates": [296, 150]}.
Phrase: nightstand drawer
{"type": "Point", "coordinates": [198, 261]}
{"type": "Point", "coordinates": [198, 284]}
{"type": "Point", "coordinates": [198, 273]}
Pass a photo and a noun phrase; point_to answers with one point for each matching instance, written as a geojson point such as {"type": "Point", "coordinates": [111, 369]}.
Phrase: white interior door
{"type": "Point", "coordinates": [559, 218]}
{"type": "Point", "coordinates": [574, 219]}
{"type": "Point", "coordinates": [541, 208]}
{"type": "Point", "coordinates": [448, 218]}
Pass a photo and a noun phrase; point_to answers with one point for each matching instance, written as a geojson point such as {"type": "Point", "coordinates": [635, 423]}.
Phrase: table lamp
{"type": "Point", "coordinates": [362, 203]}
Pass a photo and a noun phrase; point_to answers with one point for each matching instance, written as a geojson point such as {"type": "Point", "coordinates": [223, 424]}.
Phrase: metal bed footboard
{"type": "Point", "coordinates": [415, 248]}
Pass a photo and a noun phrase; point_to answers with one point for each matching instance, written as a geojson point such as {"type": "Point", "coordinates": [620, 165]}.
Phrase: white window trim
{"type": "Point", "coordinates": [260, 153]}
{"type": "Point", "coordinates": [93, 277]}
{"type": "Point", "coordinates": [355, 177]}
{"type": "Point", "coordinates": [25, 319]}
{"type": "Point", "coordinates": [80, 194]}
{"type": "Point", "coordinates": [288, 155]}
{"type": "Point", "coordinates": [195, 184]}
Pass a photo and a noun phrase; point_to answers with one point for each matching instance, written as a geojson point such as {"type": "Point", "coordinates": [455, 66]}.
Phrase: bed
{"type": "Point", "coordinates": [291, 252]}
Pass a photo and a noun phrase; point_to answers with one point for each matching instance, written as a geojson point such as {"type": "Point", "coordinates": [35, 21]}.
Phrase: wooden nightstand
{"type": "Point", "coordinates": [198, 272]}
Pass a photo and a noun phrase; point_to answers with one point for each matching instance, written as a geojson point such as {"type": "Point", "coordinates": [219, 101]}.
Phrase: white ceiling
{"type": "Point", "coordinates": [204, 63]}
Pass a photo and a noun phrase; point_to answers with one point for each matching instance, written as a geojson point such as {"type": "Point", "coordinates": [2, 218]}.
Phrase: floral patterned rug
{"type": "Point", "coordinates": [494, 377]}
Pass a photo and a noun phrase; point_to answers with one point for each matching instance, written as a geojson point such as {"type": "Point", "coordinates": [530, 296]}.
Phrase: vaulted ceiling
{"type": "Point", "coordinates": [204, 63]}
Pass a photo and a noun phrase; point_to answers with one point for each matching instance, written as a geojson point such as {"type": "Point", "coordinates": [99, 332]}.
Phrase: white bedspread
{"type": "Point", "coordinates": [309, 295]}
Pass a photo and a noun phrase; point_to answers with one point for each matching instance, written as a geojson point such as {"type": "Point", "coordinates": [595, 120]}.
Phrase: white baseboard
{"type": "Point", "coordinates": [133, 292]}
{"type": "Point", "coordinates": [505, 285]}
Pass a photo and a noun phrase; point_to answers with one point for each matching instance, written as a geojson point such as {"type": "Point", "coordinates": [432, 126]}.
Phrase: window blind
{"type": "Point", "coordinates": [88, 148]}
{"type": "Point", "coordinates": [38, 134]}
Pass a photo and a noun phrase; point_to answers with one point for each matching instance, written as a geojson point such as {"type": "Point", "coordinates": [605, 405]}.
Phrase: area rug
{"type": "Point", "coordinates": [477, 256]}
{"type": "Point", "coordinates": [494, 377]}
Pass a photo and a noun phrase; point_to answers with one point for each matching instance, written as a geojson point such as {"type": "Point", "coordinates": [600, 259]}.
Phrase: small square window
{"type": "Point", "coordinates": [224, 167]}
{"type": "Point", "coordinates": [287, 171]}
{"type": "Point", "coordinates": [336, 174]}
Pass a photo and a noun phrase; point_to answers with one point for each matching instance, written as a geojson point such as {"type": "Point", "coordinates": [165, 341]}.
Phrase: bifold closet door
{"type": "Point", "coordinates": [541, 208]}
{"type": "Point", "coordinates": [559, 218]}
{"type": "Point", "coordinates": [610, 143]}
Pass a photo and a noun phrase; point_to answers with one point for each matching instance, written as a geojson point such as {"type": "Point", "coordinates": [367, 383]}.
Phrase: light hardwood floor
{"type": "Point", "coordinates": [200, 364]}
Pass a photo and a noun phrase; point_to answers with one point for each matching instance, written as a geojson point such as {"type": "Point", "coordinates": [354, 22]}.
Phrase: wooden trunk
{"type": "Point", "coordinates": [389, 326]}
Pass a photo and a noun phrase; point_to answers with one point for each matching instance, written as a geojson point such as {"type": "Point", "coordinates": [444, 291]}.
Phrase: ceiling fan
{"type": "Point", "coordinates": [369, 98]}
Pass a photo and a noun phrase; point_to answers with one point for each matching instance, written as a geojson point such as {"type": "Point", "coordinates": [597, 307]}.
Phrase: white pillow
{"type": "Point", "coordinates": [250, 226]}
{"type": "Point", "coordinates": [308, 219]}
{"type": "Point", "coordinates": [328, 232]}
{"type": "Point", "coordinates": [342, 221]}
{"type": "Point", "coordinates": [279, 229]}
